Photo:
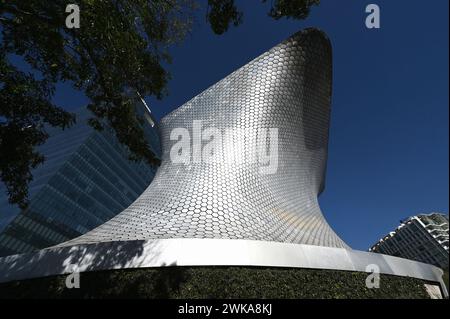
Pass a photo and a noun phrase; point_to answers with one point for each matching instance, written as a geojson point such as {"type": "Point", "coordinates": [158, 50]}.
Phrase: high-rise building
{"type": "Point", "coordinates": [86, 179]}
{"type": "Point", "coordinates": [422, 237]}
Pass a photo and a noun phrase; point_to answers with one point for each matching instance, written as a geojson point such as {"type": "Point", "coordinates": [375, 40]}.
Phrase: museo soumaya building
{"type": "Point", "coordinates": [252, 200]}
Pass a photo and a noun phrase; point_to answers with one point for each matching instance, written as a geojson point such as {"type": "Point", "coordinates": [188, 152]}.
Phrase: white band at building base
{"type": "Point", "coordinates": [206, 252]}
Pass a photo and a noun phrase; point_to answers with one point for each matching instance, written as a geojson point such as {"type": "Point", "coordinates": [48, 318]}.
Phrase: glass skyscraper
{"type": "Point", "coordinates": [85, 180]}
{"type": "Point", "coordinates": [423, 237]}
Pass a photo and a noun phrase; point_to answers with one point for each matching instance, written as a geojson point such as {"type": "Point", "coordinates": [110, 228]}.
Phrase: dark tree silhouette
{"type": "Point", "coordinates": [221, 13]}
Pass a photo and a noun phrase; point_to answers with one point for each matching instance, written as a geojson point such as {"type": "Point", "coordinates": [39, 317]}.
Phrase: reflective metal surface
{"type": "Point", "coordinates": [287, 88]}
{"type": "Point", "coordinates": [221, 213]}
{"type": "Point", "coordinates": [206, 252]}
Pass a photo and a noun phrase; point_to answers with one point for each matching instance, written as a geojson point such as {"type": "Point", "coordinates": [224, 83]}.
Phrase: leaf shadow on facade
{"type": "Point", "coordinates": [80, 258]}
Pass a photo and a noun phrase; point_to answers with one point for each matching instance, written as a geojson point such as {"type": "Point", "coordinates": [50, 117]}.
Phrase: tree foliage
{"type": "Point", "coordinates": [120, 47]}
{"type": "Point", "coordinates": [296, 9]}
{"type": "Point", "coordinates": [24, 109]}
{"type": "Point", "coordinates": [223, 13]}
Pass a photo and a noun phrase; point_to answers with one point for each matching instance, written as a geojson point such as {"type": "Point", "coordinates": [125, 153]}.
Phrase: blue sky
{"type": "Point", "coordinates": [388, 150]}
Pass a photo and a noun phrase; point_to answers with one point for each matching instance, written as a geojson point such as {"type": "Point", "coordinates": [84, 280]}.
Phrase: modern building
{"type": "Point", "coordinates": [423, 237]}
{"type": "Point", "coordinates": [288, 89]}
{"type": "Point", "coordinates": [242, 166]}
{"type": "Point", "coordinates": [85, 180]}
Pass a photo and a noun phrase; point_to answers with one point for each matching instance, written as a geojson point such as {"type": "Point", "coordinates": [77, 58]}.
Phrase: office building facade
{"type": "Point", "coordinates": [85, 180]}
{"type": "Point", "coordinates": [423, 237]}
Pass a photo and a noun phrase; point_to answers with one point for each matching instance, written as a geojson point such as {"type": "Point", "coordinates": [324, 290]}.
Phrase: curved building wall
{"type": "Point", "coordinates": [287, 89]}
{"type": "Point", "coordinates": [225, 212]}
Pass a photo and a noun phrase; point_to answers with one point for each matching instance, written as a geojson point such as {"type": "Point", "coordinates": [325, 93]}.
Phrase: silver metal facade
{"type": "Point", "coordinates": [288, 88]}
{"type": "Point", "coordinates": [217, 214]}
{"type": "Point", "coordinates": [207, 252]}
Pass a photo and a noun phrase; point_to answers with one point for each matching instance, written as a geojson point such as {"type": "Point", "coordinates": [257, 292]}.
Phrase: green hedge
{"type": "Point", "coordinates": [216, 282]}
